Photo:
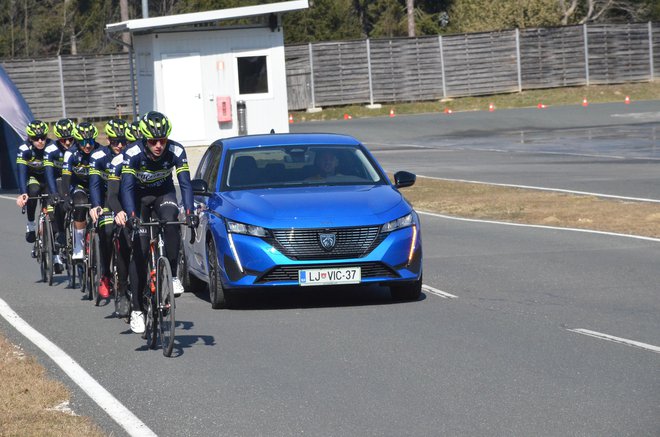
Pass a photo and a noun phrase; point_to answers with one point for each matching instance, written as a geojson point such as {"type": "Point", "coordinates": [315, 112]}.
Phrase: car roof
{"type": "Point", "coordinates": [266, 140]}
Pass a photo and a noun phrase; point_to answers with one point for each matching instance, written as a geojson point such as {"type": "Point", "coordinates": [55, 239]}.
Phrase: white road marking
{"type": "Point", "coordinates": [556, 228]}
{"type": "Point", "coordinates": [115, 409]}
{"type": "Point", "coordinates": [649, 116]}
{"type": "Point", "coordinates": [559, 190]}
{"type": "Point", "coordinates": [614, 339]}
{"type": "Point", "coordinates": [7, 197]}
{"type": "Point", "coordinates": [437, 292]}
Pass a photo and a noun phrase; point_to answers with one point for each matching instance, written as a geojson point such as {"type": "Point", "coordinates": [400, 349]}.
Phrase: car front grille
{"type": "Point", "coordinates": [290, 273]}
{"type": "Point", "coordinates": [305, 244]}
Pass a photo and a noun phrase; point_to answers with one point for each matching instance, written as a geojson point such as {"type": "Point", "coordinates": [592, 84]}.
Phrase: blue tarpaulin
{"type": "Point", "coordinates": [15, 114]}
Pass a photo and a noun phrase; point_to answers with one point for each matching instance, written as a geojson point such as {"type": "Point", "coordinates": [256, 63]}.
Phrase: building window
{"type": "Point", "coordinates": [252, 75]}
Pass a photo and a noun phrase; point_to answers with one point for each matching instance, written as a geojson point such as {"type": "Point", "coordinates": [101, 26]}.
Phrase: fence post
{"type": "Point", "coordinates": [442, 68]}
{"type": "Point", "coordinates": [311, 75]}
{"type": "Point", "coordinates": [651, 60]}
{"type": "Point", "coordinates": [59, 64]}
{"type": "Point", "coordinates": [371, 85]}
{"type": "Point", "coordinates": [519, 60]}
{"type": "Point", "coordinates": [586, 53]}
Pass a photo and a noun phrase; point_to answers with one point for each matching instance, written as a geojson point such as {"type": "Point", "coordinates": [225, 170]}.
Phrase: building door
{"type": "Point", "coordinates": [182, 91]}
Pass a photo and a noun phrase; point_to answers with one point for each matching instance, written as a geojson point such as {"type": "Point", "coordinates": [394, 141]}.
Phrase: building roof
{"type": "Point", "coordinates": [145, 24]}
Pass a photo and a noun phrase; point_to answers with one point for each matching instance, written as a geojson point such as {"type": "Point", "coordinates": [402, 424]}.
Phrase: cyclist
{"type": "Point", "coordinates": [147, 189]}
{"type": "Point", "coordinates": [75, 180]}
{"type": "Point", "coordinates": [30, 169]}
{"type": "Point", "coordinates": [104, 195]}
{"type": "Point", "coordinates": [54, 161]}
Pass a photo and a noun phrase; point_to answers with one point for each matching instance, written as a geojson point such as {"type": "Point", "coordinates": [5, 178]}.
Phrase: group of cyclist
{"type": "Point", "coordinates": [117, 185]}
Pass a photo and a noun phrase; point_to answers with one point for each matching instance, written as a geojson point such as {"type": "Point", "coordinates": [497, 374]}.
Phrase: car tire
{"type": "Point", "coordinates": [408, 292]}
{"type": "Point", "coordinates": [217, 293]}
{"type": "Point", "coordinates": [189, 281]}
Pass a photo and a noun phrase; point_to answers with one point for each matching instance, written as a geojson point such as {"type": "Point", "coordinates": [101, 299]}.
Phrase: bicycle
{"type": "Point", "coordinates": [86, 268]}
{"type": "Point", "coordinates": [43, 244]}
{"type": "Point", "coordinates": [159, 293]}
{"type": "Point", "coordinates": [114, 272]}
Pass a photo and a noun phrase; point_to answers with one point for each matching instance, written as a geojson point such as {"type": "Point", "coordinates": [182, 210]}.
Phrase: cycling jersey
{"type": "Point", "coordinates": [142, 176]}
{"type": "Point", "coordinates": [105, 169]}
{"type": "Point", "coordinates": [75, 170]}
{"type": "Point", "coordinates": [30, 163]}
{"type": "Point", "coordinates": [53, 163]}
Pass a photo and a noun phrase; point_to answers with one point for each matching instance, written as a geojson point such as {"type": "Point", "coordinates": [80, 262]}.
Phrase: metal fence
{"type": "Point", "coordinates": [380, 70]}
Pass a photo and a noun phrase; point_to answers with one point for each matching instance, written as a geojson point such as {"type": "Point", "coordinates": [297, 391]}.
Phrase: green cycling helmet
{"type": "Point", "coordinates": [155, 125]}
{"type": "Point", "coordinates": [86, 131]}
{"type": "Point", "coordinates": [36, 128]}
{"type": "Point", "coordinates": [133, 132]}
{"type": "Point", "coordinates": [64, 128]}
{"type": "Point", "coordinates": [116, 128]}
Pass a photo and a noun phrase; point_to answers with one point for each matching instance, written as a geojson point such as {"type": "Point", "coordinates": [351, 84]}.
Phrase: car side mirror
{"type": "Point", "coordinates": [200, 187]}
{"type": "Point", "coordinates": [404, 179]}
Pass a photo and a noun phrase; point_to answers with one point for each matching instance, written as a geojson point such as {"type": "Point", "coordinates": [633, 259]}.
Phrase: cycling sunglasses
{"type": "Point", "coordinates": [154, 141]}
{"type": "Point", "coordinates": [38, 138]}
{"type": "Point", "coordinates": [66, 140]}
{"type": "Point", "coordinates": [117, 141]}
{"type": "Point", "coordinates": [87, 143]}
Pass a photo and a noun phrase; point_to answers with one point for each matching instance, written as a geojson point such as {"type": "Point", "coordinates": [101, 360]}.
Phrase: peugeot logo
{"type": "Point", "coordinates": [328, 241]}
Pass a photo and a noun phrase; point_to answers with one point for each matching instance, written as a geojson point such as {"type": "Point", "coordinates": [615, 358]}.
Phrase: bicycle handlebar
{"type": "Point", "coordinates": [161, 223]}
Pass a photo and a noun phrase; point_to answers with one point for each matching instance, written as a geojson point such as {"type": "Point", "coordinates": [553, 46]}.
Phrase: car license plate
{"type": "Point", "coordinates": [330, 276]}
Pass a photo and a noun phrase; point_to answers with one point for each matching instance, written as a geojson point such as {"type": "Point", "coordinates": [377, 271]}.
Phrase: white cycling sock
{"type": "Point", "coordinates": [78, 236]}
{"type": "Point", "coordinates": [30, 227]}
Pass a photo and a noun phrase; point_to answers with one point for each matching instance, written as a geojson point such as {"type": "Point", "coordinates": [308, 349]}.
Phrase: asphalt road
{"type": "Point", "coordinates": [500, 359]}
{"type": "Point", "coordinates": [608, 148]}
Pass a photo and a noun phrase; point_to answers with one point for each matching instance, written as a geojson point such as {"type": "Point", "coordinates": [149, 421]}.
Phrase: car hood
{"type": "Point", "coordinates": [311, 207]}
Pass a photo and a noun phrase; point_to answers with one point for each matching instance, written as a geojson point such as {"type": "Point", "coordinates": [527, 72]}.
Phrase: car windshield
{"type": "Point", "coordinates": [300, 166]}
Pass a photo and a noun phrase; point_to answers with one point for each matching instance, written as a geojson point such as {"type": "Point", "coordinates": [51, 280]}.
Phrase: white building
{"type": "Point", "coordinates": [195, 67]}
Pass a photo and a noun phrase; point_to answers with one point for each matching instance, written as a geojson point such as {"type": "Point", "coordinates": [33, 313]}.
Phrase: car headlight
{"type": "Point", "coordinates": [245, 229]}
{"type": "Point", "coordinates": [399, 223]}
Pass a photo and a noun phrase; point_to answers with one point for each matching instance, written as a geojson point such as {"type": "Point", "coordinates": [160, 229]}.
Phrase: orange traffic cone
{"type": "Point", "coordinates": [347, 117]}
{"type": "Point", "coordinates": [584, 102]}
{"type": "Point", "coordinates": [290, 119]}
{"type": "Point", "coordinates": [491, 107]}
{"type": "Point", "coordinates": [541, 106]}
{"type": "Point", "coordinates": [448, 111]}
{"type": "Point", "coordinates": [392, 113]}
{"type": "Point", "coordinates": [627, 100]}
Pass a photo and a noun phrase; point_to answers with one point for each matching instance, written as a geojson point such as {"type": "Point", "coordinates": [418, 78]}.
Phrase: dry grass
{"type": "Point", "coordinates": [534, 207]}
{"type": "Point", "coordinates": [28, 400]}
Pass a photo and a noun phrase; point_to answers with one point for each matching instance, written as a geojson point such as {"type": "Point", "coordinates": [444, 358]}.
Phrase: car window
{"type": "Point", "coordinates": [281, 166]}
{"type": "Point", "coordinates": [213, 168]}
{"type": "Point", "coordinates": [203, 163]}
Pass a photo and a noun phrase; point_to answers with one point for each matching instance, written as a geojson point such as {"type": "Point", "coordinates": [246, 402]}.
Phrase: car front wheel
{"type": "Point", "coordinates": [217, 293]}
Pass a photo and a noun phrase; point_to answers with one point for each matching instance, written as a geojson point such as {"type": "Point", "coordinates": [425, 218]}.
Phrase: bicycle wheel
{"type": "Point", "coordinates": [48, 250]}
{"type": "Point", "coordinates": [95, 266]}
{"type": "Point", "coordinates": [71, 269]}
{"type": "Point", "coordinates": [39, 247]}
{"type": "Point", "coordinates": [151, 323]}
{"type": "Point", "coordinates": [166, 305]}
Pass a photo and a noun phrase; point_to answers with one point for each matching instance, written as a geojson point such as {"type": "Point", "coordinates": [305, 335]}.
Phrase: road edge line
{"type": "Point", "coordinates": [103, 398]}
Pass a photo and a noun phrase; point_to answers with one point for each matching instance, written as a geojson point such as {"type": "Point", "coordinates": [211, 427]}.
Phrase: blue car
{"type": "Point", "coordinates": [301, 210]}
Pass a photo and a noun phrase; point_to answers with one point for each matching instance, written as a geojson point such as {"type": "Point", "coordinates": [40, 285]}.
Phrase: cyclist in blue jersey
{"type": "Point", "coordinates": [104, 195]}
{"type": "Point", "coordinates": [54, 161]}
{"type": "Point", "coordinates": [31, 174]}
{"type": "Point", "coordinates": [147, 189]}
{"type": "Point", "coordinates": [75, 180]}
